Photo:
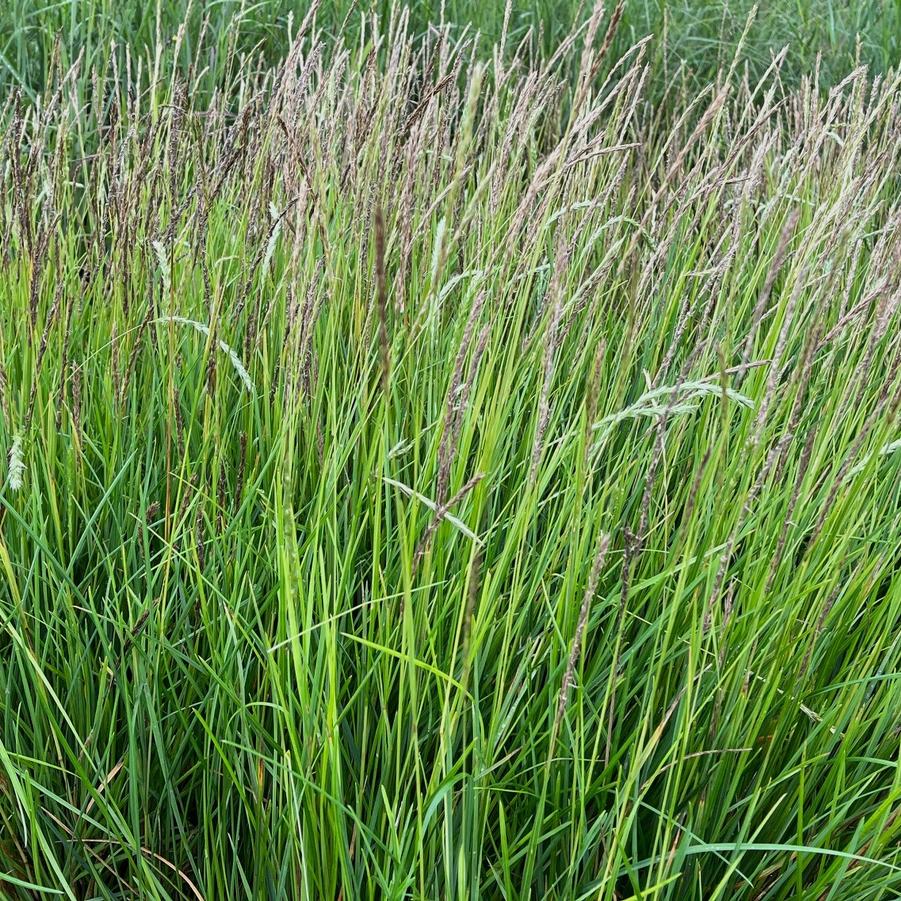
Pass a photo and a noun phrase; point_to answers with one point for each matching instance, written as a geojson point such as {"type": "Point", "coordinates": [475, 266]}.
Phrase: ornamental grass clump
{"type": "Point", "coordinates": [450, 472]}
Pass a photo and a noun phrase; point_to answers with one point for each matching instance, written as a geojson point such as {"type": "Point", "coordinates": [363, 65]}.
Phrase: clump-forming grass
{"type": "Point", "coordinates": [535, 535]}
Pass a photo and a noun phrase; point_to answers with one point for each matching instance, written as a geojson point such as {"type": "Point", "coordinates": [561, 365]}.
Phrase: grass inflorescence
{"type": "Point", "coordinates": [213, 43]}
{"type": "Point", "coordinates": [433, 473]}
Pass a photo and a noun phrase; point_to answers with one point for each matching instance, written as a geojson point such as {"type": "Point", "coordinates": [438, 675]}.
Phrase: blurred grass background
{"type": "Point", "coordinates": [697, 35]}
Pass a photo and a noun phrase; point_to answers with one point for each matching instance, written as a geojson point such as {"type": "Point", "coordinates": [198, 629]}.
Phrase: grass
{"type": "Point", "coordinates": [692, 38]}
{"type": "Point", "coordinates": [431, 477]}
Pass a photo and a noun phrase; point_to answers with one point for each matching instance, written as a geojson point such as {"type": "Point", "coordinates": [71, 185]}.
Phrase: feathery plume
{"type": "Point", "coordinates": [238, 366]}
{"type": "Point", "coordinates": [576, 647]}
{"type": "Point", "coordinates": [16, 472]}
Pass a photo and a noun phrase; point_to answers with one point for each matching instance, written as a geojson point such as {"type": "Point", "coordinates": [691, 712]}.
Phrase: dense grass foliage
{"type": "Point", "coordinates": [429, 478]}
{"type": "Point", "coordinates": [692, 38]}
